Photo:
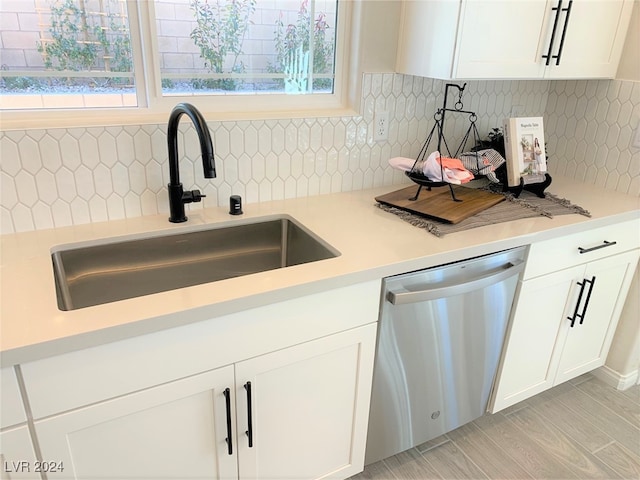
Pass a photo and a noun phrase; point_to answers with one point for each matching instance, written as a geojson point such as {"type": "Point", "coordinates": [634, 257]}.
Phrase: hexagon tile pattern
{"type": "Point", "coordinates": [589, 129]}
{"type": "Point", "coordinates": [58, 177]}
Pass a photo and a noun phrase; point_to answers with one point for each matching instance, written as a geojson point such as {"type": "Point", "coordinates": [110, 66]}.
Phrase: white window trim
{"type": "Point", "coordinates": [154, 109]}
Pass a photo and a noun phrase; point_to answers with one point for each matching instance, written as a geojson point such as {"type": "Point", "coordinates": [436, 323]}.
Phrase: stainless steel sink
{"type": "Point", "coordinates": [117, 270]}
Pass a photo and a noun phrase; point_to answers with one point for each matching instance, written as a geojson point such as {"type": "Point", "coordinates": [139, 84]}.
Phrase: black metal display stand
{"type": "Point", "coordinates": [537, 188]}
{"type": "Point", "coordinates": [418, 176]}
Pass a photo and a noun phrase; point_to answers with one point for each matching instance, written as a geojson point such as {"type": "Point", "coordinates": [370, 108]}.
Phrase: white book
{"type": "Point", "coordinates": [524, 150]}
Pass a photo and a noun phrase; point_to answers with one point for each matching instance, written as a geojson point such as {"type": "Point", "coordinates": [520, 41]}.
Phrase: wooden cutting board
{"type": "Point", "coordinates": [438, 204]}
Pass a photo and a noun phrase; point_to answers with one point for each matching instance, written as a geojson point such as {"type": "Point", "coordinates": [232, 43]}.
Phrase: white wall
{"type": "Point", "coordinates": [624, 356]}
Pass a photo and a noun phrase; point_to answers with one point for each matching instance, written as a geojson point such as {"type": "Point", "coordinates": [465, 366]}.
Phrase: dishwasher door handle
{"type": "Point", "coordinates": [508, 270]}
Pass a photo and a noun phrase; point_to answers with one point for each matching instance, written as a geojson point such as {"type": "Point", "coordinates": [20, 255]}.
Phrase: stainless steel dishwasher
{"type": "Point", "coordinates": [439, 343]}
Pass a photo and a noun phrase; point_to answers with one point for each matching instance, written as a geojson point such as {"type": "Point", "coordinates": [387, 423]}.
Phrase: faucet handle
{"type": "Point", "coordinates": [192, 196]}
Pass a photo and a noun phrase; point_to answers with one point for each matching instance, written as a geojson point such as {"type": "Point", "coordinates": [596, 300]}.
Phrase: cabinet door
{"type": "Point", "coordinates": [174, 431]}
{"type": "Point", "coordinates": [18, 461]}
{"type": "Point", "coordinates": [595, 36]}
{"type": "Point", "coordinates": [309, 408]}
{"type": "Point", "coordinates": [587, 343]}
{"type": "Point", "coordinates": [502, 38]}
{"type": "Point", "coordinates": [11, 408]}
{"type": "Point", "coordinates": [530, 355]}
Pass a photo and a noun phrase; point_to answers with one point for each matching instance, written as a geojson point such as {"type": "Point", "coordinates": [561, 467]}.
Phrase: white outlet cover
{"type": "Point", "coordinates": [380, 126]}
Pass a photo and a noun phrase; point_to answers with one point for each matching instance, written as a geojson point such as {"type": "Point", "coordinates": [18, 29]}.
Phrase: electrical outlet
{"type": "Point", "coordinates": [381, 126]}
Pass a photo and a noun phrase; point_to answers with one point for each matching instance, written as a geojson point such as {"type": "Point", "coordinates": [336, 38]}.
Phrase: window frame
{"type": "Point", "coordinates": [153, 108]}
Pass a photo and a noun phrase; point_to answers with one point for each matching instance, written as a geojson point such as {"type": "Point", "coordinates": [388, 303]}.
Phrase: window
{"type": "Point", "coordinates": [149, 54]}
{"type": "Point", "coordinates": [245, 46]}
{"type": "Point", "coordinates": [66, 54]}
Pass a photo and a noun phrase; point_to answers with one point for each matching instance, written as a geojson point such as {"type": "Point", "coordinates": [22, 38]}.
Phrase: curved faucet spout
{"type": "Point", "coordinates": [177, 196]}
{"type": "Point", "coordinates": [206, 145]}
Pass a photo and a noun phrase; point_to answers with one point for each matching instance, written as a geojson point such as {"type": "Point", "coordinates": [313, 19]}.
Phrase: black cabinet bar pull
{"type": "Point", "coordinates": [604, 244]}
{"type": "Point", "coordinates": [586, 302]}
{"type": "Point", "coordinates": [227, 399]}
{"type": "Point", "coordinates": [575, 312]}
{"type": "Point", "coordinates": [557, 8]}
{"type": "Point", "coordinates": [249, 432]}
{"type": "Point", "coordinates": [564, 32]}
{"type": "Point", "coordinates": [577, 315]}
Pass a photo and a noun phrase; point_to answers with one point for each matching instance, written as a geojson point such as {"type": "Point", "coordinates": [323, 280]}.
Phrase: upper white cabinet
{"type": "Point", "coordinates": [485, 39]}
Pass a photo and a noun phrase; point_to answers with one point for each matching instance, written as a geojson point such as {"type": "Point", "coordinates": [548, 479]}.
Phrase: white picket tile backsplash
{"type": "Point", "coordinates": [590, 125]}
{"type": "Point", "coordinates": [58, 177]}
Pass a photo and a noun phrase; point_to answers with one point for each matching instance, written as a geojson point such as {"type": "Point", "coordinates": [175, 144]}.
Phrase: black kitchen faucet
{"type": "Point", "coordinates": [177, 196]}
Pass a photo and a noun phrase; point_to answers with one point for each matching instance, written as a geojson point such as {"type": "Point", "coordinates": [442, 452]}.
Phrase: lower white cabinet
{"type": "Point", "coordinates": [309, 408]}
{"type": "Point", "coordinates": [604, 285]}
{"type": "Point", "coordinates": [18, 460]}
{"type": "Point", "coordinates": [562, 326]}
{"type": "Point", "coordinates": [11, 409]}
{"type": "Point", "coordinates": [17, 457]}
{"type": "Point", "coordinates": [300, 412]}
{"type": "Point", "coordinates": [172, 431]}
{"type": "Point", "coordinates": [526, 366]}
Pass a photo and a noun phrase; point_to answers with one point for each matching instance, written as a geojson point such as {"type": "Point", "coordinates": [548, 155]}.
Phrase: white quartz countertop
{"type": "Point", "coordinates": [373, 244]}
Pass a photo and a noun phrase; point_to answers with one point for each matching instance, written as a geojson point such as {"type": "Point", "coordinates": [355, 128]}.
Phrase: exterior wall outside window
{"type": "Point", "coordinates": [27, 24]}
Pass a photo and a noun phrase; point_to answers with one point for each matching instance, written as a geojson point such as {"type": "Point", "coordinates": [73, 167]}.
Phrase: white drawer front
{"type": "Point", "coordinates": [578, 248]}
{"type": "Point", "coordinates": [96, 374]}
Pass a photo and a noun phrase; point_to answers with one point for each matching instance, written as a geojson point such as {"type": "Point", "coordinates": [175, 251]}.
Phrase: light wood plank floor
{"type": "Point", "coordinates": [582, 429]}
